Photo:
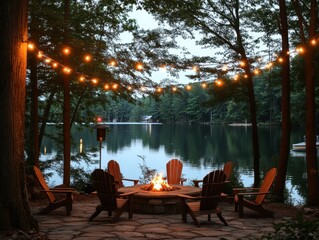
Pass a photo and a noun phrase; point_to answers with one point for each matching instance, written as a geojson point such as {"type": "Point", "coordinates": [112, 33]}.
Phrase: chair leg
{"type": "Point", "coordinates": [68, 203]}
{"type": "Point", "coordinates": [209, 217]}
{"type": "Point", "coordinates": [194, 219]}
{"type": "Point", "coordinates": [183, 210]}
{"type": "Point", "coordinates": [240, 206]}
{"type": "Point", "coordinates": [219, 215]}
{"type": "Point", "coordinates": [97, 212]}
{"type": "Point", "coordinates": [118, 213]}
{"type": "Point", "coordinates": [130, 207]}
{"type": "Point", "coordinates": [222, 219]}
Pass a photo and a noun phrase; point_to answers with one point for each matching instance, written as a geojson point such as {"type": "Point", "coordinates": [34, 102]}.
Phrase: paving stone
{"type": "Point", "coordinates": [185, 235]}
{"type": "Point", "coordinates": [212, 233]}
{"type": "Point", "coordinates": [152, 230]}
{"type": "Point", "coordinates": [157, 236]}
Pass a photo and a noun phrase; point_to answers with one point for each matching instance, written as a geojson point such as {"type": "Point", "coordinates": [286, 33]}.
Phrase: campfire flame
{"type": "Point", "coordinates": [158, 182]}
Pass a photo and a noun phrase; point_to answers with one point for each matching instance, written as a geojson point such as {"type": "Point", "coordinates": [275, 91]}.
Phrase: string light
{"type": "Point", "coordinates": [256, 71]}
{"type": "Point", "coordinates": [87, 58]}
{"type": "Point", "coordinates": [195, 68]}
{"type": "Point", "coordinates": [242, 64]}
{"type": "Point", "coordinates": [188, 87]}
{"type": "Point", "coordinates": [225, 68]}
{"type": "Point", "coordinates": [94, 80]}
{"type": "Point", "coordinates": [82, 79]}
{"type": "Point", "coordinates": [139, 66]}
{"type": "Point", "coordinates": [66, 51]}
{"type": "Point", "coordinates": [269, 65]}
{"type": "Point", "coordinates": [31, 46]}
{"type": "Point", "coordinates": [54, 65]}
{"type": "Point", "coordinates": [106, 87]}
{"type": "Point", "coordinates": [40, 55]}
{"type": "Point", "coordinates": [219, 82]}
{"type": "Point", "coordinates": [67, 70]}
{"type": "Point", "coordinates": [163, 68]}
{"type": "Point", "coordinates": [113, 63]}
{"type": "Point", "coordinates": [204, 85]}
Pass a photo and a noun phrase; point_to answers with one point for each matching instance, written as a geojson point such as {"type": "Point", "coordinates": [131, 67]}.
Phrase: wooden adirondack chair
{"type": "Point", "coordinates": [54, 203]}
{"type": "Point", "coordinates": [114, 168]}
{"type": "Point", "coordinates": [111, 201]}
{"type": "Point", "coordinates": [228, 168]}
{"type": "Point", "coordinates": [206, 203]}
{"type": "Point", "coordinates": [174, 169]}
{"type": "Point", "coordinates": [259, 193]}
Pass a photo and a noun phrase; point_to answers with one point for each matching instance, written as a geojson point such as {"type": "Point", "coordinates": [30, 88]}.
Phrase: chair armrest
{"type": "Point", "coordinates": [183, 180]}
{"type": "Point", "coordinates": [62, 188]}
{"type": "Point", "coordinates": [127, 194]}
{"type": "Point", "coordinates": [59, 191]}
{"type": "Point", "coordinates": [251, 193]}
{"type": "Point", "coordinates": [196, 182]}
{"type": "Point", "coordinates": [245, 189]}
{"type": "Point", "coordinates": [132, 180]}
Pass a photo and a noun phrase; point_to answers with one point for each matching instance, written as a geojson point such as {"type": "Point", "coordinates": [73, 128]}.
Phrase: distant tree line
{"type": "Point", "coordinates": [213, 104]}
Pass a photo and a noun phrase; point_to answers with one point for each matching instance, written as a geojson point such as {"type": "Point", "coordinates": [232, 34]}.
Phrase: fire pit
{"type": "Point", "coordinates": [159, 197]}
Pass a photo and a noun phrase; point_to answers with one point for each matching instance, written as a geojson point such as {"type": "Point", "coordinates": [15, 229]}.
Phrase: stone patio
{"type": "Point", "coordinates": [151, 226]}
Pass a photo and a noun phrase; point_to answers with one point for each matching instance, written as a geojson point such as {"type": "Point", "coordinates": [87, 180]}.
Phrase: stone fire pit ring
{"type": "Point", "coordinates": [158, 202]}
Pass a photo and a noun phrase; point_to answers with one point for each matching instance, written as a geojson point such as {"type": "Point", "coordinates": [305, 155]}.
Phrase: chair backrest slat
{"type": "Point", "coordinates": [213, 184]}
{"type": "Point", "coordinates": [43, 183]}
{"type": "Point", "coordinates": [174, 171]}
{"type": "Point", "coordinates": [228, 168]}
{"type": "Point", "coordinates": [266, 184]}
{"type": "Point", "coordinates": [114, 169]}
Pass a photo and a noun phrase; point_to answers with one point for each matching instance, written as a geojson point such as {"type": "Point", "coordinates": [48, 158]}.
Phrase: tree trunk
{"type": "Point", "coordinates": [252, 104]}
{"type": "Point", "coordinates": [14, 209]}
{"type": "Point", "coordinates": [66, 104]}
{"type": "Point", "coordinates": [309, 58]}
{"type": "Point", "coordinates": [34, 151]}
{"type": "Point", "coordinates": [285, 103]}
{"type": "Point", "coordinates": [311, 151]}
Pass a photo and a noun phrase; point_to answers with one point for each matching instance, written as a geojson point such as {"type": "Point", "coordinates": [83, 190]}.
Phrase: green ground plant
{"type": "Point", "coordinates": [298, 228]}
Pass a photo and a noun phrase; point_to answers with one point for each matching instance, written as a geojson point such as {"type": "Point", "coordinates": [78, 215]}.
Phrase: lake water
{"type": "Point", "coordinates": [201, 148]}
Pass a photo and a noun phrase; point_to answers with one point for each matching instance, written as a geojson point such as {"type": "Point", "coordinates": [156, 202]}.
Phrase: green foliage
{"type": "Point", "coordinates": [147, 173]}
{"type": "Point", "coordinates": [234, 182]}
{"type": "Point", "coordinates": [297, 228]}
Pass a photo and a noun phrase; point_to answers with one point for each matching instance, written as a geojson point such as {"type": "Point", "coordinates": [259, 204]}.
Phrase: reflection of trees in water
{"type": "Point", "coordinates": [297, 171]}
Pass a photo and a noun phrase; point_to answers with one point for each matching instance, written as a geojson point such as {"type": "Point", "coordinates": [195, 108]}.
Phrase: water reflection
{"type": "Point", "coordinates": [201, 148]}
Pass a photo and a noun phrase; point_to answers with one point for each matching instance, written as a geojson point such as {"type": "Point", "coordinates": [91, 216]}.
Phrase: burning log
{"type": "Point", "coordinates": [158, 184]}
{"type": "Point", "coordinates": [150, 187]}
